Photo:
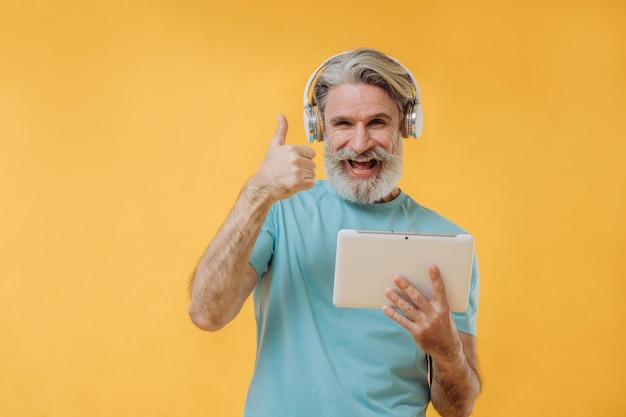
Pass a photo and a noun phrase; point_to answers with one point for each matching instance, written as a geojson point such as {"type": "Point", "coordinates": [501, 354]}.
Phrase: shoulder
{"type": "Point", "coordinates": [305, 204]}
{"type": "Point", "coordinates": [319, 196]}
{"type": "Point", "coordinates": [431, 220]}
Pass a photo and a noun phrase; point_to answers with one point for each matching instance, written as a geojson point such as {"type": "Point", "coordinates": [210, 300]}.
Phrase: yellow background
{"type": "Point", "coordinates": [127, 129]}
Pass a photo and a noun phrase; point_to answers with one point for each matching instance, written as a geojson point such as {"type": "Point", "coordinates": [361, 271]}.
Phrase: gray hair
{"type": "Point", "coordinates": [365, 66]}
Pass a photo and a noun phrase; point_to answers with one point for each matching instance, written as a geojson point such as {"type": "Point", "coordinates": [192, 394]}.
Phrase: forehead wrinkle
{"type": "Point", "coordinates": [379, 115]}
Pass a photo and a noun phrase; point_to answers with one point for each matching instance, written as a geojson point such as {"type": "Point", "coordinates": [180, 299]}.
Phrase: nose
{"type": "Point", "coordinates": [361, 140]}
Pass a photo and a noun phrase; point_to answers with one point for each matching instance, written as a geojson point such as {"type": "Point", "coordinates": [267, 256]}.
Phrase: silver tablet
{"type": "Point", "coordinates": [368, 260]}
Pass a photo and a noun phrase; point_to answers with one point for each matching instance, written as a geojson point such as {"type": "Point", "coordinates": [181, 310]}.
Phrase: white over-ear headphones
{"type": "Point", "coordinates": [314, 121]}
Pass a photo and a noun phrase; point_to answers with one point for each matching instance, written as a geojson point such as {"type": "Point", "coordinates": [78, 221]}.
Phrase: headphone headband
{"type": "Point", "coordinates": [314, 123]}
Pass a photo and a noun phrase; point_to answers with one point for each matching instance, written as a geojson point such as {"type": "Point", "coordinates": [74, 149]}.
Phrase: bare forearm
{"type": "Point", "coordinates": [456, 385]}
{"type": "Point", "coordinates": [222, 280]}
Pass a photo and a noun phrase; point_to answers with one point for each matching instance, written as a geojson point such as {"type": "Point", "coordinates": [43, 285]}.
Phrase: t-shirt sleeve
{"type": "Point", "coordinates": [264, 247]}
{"type": "Point", "coordinates": [466, 321]}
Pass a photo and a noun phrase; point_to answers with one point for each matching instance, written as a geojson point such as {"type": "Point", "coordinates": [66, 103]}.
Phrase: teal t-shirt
{"type": "Point", "coordinates": [315, 359]}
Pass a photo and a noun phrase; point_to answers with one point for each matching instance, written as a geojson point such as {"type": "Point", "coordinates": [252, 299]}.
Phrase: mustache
{"type": "Point", "coordinates": [379, 154]}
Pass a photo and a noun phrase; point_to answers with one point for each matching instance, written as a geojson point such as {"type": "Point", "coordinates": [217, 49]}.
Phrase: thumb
{"type": "Point", "coordinates": [281, 131]}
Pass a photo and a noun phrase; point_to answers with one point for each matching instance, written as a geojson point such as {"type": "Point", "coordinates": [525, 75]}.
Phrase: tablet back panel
{"type": "Point", "coordinates": [367, 261]}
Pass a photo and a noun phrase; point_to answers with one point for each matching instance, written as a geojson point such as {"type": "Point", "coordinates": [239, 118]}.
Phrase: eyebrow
{"type": "Point", "coordinates": [381, 115]}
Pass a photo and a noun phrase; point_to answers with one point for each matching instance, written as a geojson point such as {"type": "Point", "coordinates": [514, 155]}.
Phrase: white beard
{"type": "Point", "coordinates": [360, 190]}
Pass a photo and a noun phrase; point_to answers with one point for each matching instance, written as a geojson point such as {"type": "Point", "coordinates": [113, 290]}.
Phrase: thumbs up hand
{"type": "Point", "coordinates": [286, 169]}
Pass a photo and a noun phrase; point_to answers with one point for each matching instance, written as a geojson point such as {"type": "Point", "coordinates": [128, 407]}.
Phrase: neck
{"type": "Point", "coordinates": [391, 196]}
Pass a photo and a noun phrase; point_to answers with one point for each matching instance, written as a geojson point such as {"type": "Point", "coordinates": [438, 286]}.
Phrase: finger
{"type": "Point", "coordinates": [306, 151]}
{"type": "Point", "coordinates": [281, 131]}
{"type": "Point", "coordinates": [309, 172]}
{"type": "Point", "coordinates": [401, 319]}
{"type": "Point", "coordinates": [413, 293]}
{"type": "Point", "coordinates": [439, 291]}
{"type": "Point", "coordinates": [407, 306]}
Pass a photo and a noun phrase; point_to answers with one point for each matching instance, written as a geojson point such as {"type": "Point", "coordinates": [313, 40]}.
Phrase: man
{"type": "Point", "coordinates": [315, 359]}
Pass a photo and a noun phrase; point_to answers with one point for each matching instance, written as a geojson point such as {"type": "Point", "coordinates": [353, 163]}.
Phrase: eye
{"type": "Point", "coordinates": [342, 123]}
{"type": "Point", "coordinates": [377, 122]}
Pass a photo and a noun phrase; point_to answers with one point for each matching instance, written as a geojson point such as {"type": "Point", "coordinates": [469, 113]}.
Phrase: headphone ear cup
{"type": "Point", "coordinates": [419, 120]}
{"type": "Point", "coordinates": [313, 124]}
{"type": "Point", "coordinates": [413, 120]}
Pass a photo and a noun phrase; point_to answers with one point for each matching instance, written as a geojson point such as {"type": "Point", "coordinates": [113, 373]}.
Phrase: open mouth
{"type": "Point", "coordinates": [362, 167]}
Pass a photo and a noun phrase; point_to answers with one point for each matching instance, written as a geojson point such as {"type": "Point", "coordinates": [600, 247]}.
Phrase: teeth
{"type": "Point", "coordinates": [365, 165]}
{"type": "Point", "coordinates": [362, 159]}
